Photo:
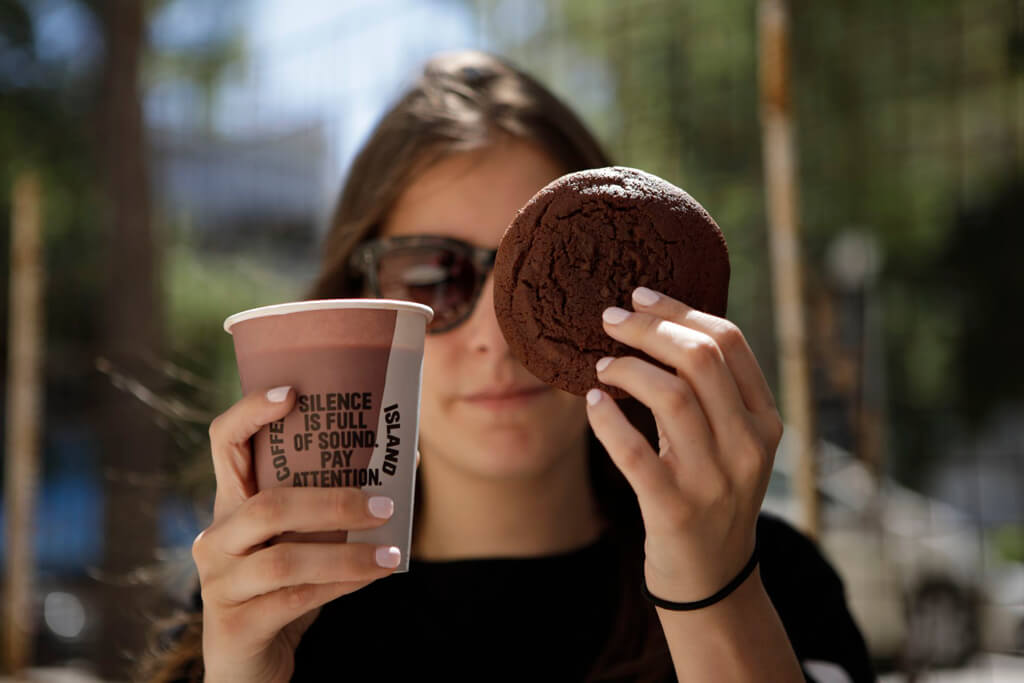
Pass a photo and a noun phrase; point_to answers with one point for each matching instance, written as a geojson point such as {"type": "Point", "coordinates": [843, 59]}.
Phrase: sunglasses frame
{"type": "Point", "coordinates": [366, 256]}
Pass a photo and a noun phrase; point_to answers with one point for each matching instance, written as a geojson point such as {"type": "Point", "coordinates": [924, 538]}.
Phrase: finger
{"type": "Point", "coordinates": [650, 479]}
{"type": "Point", "coordinates": [691, 453]}
{"type": "Point", "coordinates": [693, 354]}
{"type": "Point", "coordinates": [753, 386]}
{"type": "Point", "coordinates": [675, 406]}
{"type": "Point", "coordinates": [229, 444]}
{"type": "Point", "coordinates": [263, 617]}
{"type": "Point", "coordinates": [293, 564]}
{"type": "Point", "coordinates": [275, 511]}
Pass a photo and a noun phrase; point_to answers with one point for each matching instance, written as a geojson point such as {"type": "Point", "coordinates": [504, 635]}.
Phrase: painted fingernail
{"type": "Point", "coordinates": [645, 297]}
{"type": "Point", "coordinates": [594, 396]}
{"type": "Point", "coordinates": [382, 507]}
{"type": "Point", "coordinates": [615, 315]}
{"type": "Point", "coordinates": [388, 556]}
{"type": "Point", "coordinates": [278, 394]}
{"type": "Point", "coordinates": [604, 363]}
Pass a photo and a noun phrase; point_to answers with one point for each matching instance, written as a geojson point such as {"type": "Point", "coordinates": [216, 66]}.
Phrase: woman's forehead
{"type": "Point", "coordinates": [472, 195]}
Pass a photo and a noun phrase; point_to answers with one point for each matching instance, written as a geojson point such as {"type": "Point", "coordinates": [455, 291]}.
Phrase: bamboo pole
{"type": "Point", "coordinates": [24, 412]}
{"type": "Point", "coordinates": [782, 199]}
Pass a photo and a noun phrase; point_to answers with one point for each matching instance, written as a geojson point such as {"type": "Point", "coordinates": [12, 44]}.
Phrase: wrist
{"type": "Point", "coordinates": [737, 639]}
{"type": "Point", "coordinates": [693, 580]}
{"type": "Point", "coordinates": [721, 594]}
{"type": "Point", "coordinates": [747, 596]}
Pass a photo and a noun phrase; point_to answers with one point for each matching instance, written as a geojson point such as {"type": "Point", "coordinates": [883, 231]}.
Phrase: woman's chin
{"type": "Point", "coordinates": [504, 460]}
{"type": "Point", "coordinates": [515, 444]}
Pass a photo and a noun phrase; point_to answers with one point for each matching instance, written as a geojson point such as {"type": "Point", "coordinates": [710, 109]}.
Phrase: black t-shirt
{"type": "Point", "coordinates": [547, 618]}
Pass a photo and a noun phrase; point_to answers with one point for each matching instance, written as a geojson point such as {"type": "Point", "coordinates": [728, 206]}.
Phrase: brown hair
{"type": "Point", "coordinates": [465, 101]}
{"type": "Point", "coordinates": [462, 101]}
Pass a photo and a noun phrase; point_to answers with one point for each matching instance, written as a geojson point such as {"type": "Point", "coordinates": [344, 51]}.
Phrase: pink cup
{"type": "Point", "coordinates": [356, 366]}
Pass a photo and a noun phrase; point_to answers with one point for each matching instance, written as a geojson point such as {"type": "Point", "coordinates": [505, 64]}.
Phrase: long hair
{"type": "Point", "coordinates": [466, 101]}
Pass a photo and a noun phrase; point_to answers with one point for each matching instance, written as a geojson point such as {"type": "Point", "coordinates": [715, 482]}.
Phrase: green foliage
{"type": "Point", "coordinates": [200, 376]}
{"type": "Point", "coordinates": [1008, 542]}
{"type": "Point", "coordinates": [48, 125]}
{"type": "Point", "coordinates": [42, 129]}
{"type": "Point", "coordinates": [200, 292]}
{"type": "Point", "coordinates": [978, 271]}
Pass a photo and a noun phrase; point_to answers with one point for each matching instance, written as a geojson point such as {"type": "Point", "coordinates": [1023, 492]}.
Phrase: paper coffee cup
{"type": "Point", "coordinates": [356, 366]}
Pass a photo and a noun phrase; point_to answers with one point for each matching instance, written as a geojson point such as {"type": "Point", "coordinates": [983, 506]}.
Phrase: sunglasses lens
{"type": "Point", "coordinates": [441, 278]}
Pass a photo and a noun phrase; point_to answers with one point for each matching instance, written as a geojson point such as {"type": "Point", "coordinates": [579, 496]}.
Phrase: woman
{"type": "Point", "coordinates": [541, 517]}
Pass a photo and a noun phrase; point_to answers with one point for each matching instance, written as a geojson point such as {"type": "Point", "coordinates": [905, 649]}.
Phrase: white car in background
{"type": "Point", "coordinates": [911, 565]}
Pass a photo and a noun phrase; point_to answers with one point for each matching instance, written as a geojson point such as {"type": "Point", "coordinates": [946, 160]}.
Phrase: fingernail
{"type": "Point", "coordinates": [382, 507]}
{"type": "Point", "coordinates": [388, 556]}
{"type": "Point", "coordinates": [278, 394]}
{"type": "Point", "coordinates": [614, 315]}
{"type": "Point", "coordinates": [593, 396]}
{"type": "Point", "coordinates": [645, 297]}
{"type": "Point", "coordinates": [604, 363]}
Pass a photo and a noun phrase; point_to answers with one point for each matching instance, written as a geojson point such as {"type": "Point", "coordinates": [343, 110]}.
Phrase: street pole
{"type": "Point", "coordinates": [24, 414]}
{"type": "Point", "coordinates": [782, 200]}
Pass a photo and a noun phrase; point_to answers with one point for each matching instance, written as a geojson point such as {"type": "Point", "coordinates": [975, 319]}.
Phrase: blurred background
{"type": "Point", "coordinates": [178, 160]}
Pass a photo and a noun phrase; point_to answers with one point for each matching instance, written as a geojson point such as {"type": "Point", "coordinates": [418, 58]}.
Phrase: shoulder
{"type": "Point", "coordinates": [789, 559]}
{"type": "Point", "coordinates": [810, 599]}
{"type": "Point", "coordinates": [795, 573]}
{"type": "Point", "coordinates": [777, 535]}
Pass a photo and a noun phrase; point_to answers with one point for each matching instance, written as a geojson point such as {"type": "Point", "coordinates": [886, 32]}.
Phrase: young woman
{"type": "Point", "coordinates": [544, 521]}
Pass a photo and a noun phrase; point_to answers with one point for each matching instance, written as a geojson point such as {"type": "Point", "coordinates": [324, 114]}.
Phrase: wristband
{"type": "Point", "coordinates": [700, 604]}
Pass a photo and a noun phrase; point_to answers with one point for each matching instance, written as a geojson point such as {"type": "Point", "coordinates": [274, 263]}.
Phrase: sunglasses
{"type": "Point", "coordinates": [444, 273]}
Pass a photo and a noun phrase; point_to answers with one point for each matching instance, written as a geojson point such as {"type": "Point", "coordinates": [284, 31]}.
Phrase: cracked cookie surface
{"type": "Point", "coordinates": [582, 244]}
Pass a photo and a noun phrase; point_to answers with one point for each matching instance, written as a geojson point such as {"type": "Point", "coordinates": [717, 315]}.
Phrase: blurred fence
{"type": "Point", "coordinates": [910, 131]}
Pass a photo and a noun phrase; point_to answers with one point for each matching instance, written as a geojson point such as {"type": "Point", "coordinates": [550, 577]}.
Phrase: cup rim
{"type": "Point", "coordinates": [326, 304]}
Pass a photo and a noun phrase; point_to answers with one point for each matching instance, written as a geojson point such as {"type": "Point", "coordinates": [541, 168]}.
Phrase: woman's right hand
{"type": "Point", "coordinates": [259, 599]}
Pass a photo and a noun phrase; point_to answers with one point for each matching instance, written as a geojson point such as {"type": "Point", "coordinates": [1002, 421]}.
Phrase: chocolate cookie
{"type": "Point", "coordinates": [582, 244]}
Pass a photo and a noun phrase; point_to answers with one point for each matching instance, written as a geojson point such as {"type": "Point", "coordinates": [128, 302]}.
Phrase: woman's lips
{"type": "Point", "coordinates": [505, 399]}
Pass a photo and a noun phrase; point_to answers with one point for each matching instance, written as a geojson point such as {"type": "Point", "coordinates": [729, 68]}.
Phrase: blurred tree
{"type": "Point", "coordinates": [71, 105]}
{"type": "Point", "coordinates": [43, 105]}
{"type": "Point", "coordinates": [133, 447]}
{"type": "Point", "coordinates": [683, 104]}
{"type": "Point", "coordinates": [43, 110]}
{"type": "Point", "coordinates": [41, 125]}
{"type": "Point", "coordinates": [976, 273]}
{"type": "Point", "coordinates": [906, 112]}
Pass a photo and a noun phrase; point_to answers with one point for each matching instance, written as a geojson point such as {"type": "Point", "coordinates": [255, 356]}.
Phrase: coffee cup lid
{"type": "Point", "coordinates": [326, 304]}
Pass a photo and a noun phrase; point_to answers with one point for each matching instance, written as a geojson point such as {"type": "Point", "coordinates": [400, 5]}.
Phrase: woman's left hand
{"type": "Point", "coordinates": [718, 429]}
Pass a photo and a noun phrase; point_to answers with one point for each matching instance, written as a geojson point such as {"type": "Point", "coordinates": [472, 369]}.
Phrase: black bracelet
{"type": "Point", "coordinates": [700, 604]}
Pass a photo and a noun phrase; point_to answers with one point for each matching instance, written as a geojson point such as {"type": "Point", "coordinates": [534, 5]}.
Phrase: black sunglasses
{"type": "Point", "coordinates": [442, 272]}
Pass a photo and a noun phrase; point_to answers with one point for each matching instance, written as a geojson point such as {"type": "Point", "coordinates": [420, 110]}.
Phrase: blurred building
{"type": "Point", "coordinates": [253, 191]}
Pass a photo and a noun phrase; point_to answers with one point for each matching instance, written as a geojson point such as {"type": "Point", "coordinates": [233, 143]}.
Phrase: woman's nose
{"type": "Point", "coordinates": [482, 326]}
